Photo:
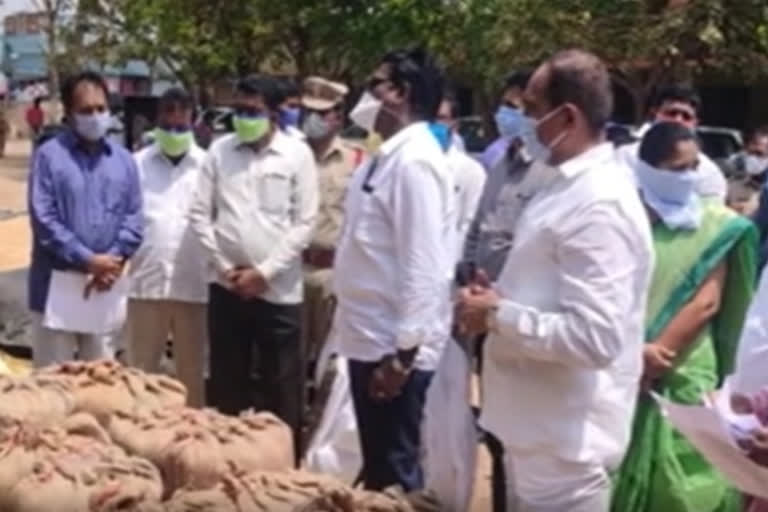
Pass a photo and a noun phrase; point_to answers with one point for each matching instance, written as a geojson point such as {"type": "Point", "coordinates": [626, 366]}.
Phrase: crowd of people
{"type": "Point", "coordinates": [580, 275]}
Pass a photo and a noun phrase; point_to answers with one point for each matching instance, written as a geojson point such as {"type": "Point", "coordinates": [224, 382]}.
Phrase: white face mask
{"type": "Point", "coordinates": [92, 127]}
{"type": "Point", "coordinates": [671, 194]}
{"type": "Point", "coordinates": [366, 111]}
{"type": "Point", "coordinates": [532, 142]}
{"type": "Point", "coordinates": [754, 165]}
{"type": "Point", "coordinates": [315, 127]}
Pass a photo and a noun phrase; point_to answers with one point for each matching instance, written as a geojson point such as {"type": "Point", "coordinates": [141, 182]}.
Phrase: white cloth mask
{"type": "Point", "coordinates": [366, 111]}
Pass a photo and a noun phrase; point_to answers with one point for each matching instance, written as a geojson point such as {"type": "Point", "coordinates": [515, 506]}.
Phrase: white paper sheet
{"type": "Point", "coordinates": [68, 310]}
{"type": "Point", "coordinates": [708, 430]}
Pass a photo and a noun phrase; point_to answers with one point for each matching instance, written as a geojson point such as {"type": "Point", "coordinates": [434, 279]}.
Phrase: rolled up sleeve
{"type": "Point", "coordinates": [598, 269]}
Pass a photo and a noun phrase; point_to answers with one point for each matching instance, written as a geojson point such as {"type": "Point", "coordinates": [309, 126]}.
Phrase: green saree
{"type": "Point", "coordinates": [662, 472]}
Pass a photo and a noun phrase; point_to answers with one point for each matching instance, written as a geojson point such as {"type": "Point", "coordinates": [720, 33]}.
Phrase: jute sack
{"type": "Point", "coordinates": [22, 445]}
{"type": "Point", "coordinates": [254, 441]}
{"type": "Point", "coordinates": [64, 484]}
{"type": "Point", "coordinates": [103, 388]}
{"type": "Point", "coordinates": [36, 400]}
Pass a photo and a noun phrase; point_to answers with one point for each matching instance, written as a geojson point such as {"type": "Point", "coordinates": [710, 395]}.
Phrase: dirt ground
{"type": "Point", "coordinates": [15, 243]}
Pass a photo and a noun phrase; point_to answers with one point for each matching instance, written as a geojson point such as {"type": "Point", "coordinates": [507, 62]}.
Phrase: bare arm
{"type": "Point", "coordinates": [686, 326]}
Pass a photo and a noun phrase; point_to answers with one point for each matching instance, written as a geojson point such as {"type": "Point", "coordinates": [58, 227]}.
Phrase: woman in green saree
{"type": "Point", "coordinates": [700, 290]}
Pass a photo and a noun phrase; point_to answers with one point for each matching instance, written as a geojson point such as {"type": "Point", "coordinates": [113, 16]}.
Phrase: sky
{"type": "Point", "coordinates": [11, 6]}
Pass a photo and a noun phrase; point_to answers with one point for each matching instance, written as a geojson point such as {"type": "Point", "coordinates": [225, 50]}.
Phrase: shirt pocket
{"type": "Point", "coordinates": [275, 193]}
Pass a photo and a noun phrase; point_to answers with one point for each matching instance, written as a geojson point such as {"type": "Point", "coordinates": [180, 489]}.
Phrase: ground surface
{"type": "Point", "coordinates": [15, 242]}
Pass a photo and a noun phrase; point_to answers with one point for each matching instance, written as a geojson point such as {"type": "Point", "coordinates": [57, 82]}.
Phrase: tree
{"type": "Point", "coordinates": [54, 11]}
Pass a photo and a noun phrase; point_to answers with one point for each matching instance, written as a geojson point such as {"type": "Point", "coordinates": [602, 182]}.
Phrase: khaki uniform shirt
{"type": "Point", "coordinates": [335, 169]}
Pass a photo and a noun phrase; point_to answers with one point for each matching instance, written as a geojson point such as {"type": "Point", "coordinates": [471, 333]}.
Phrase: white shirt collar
{"type": "Point", "coordinates": [586, 160]}
{"type": "Point", "coordinates": [194, 152]}
{"type": "Point", "coordinates": [392, 143]}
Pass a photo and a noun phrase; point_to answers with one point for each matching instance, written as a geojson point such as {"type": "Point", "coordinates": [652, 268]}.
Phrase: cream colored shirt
{"type": "Point", "coordinates": [564, 361]}
{"type": "Point", "coordinates": [469, 178]}
{"type": "Point", "coordinates": [171, 262]}
{"type": "Point", "coordinates": [396, 256]}
{"type": "Point", "coordinates": [258, 209]}
{"type": "Point", "coordinates": [335, 170]}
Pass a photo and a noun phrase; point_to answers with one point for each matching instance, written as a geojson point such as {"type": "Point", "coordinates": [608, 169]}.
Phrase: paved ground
{"type": "Point", "coordinates": [15, 242]}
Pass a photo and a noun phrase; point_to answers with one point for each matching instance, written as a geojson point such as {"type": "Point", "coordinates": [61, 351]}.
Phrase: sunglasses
{"type": "Point", "coordinates": [376, 81]}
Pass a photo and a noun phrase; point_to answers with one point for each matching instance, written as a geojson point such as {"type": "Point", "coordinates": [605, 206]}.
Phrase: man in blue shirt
{"type": "Point", "coordinates": [85, 211]}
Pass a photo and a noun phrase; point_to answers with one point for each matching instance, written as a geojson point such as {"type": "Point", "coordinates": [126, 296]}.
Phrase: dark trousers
{"type": "Point", "coordinates": [256, 357]}
{"type": "Point", "coordinates": [390, 432]}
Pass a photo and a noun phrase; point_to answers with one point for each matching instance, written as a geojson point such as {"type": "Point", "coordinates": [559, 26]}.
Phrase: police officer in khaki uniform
{"type": "Point", "coordinates": [323, 117]}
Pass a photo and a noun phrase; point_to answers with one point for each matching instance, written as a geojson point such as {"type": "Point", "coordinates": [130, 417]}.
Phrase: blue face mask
{"type": "Point", "coordinates": [290, 117]}
{"type": "Point", "coordinates": [92, 127]}
{"type": "Point", "coordinates": [671, 194]}
{"type": "Point", "coordinates": [509, 121]}
{"type": "Point", "coordinates": [442, 134]}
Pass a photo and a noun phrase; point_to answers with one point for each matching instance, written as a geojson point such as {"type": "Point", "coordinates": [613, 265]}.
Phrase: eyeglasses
{"type": "Point", "coordinates": [376, 81]}
{"type": "Point", "coordinates": [678, 113]}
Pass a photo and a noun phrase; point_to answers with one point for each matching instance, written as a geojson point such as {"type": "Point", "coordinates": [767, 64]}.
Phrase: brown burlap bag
{"type": "Point", "coordinates": [103, 388]}
{"type": "Point", "coordinates": [254, 441]}
{"type": "Point", "coordinates": [36, 400]}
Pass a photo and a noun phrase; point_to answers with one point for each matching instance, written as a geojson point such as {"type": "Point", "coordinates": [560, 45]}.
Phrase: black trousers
{"type": "Point", "coordinates": [390, 432]}
{"type": "Point", "coordinates": [256, 357]}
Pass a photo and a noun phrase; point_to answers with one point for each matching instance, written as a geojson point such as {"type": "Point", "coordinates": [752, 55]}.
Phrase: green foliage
{"type": "Point", "coordinates": [479, 41]}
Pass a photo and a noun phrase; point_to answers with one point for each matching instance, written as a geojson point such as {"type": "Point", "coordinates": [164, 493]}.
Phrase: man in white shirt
{"type": "Point", "coordinates": [168, 282]}
{"type": "Point", "coordinates": [469, 175]}
{"type": "Point", "coordinates": [395, 260]}
{"type": "Point", "coordinates": [681, 104]}
{"type": "Point", "coordinates": [565, 319]}
{"type": "Point", "coordinates": [254, 212]}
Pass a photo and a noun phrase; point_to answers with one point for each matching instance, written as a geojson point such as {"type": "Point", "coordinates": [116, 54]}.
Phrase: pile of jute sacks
{"type": "Point", "coordinates": [101, 437]}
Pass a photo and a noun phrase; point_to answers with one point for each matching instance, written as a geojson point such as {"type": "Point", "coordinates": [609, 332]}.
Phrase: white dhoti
{"type": "Point", "coordinates": [449, 432]}
{"type": "Point", "coordinates": [335, 446]}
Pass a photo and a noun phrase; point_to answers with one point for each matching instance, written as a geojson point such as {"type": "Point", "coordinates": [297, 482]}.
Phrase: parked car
{"type": "Point", "coordinates": [719, 143]}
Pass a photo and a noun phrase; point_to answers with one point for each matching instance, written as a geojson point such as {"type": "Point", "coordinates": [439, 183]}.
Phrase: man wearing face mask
{"type": "Point", "coordinates": [86, 215]}
{"type": "Point", "coordinates": [254, 211]}
{"type": "Point", "coordinates": [754, 157]}
{"type": "Point", "coordinates": [565, 318]}
{"type": "Point", "coordinates": [507, 119]}
{"type": "Point", "coordinates": [323, 118]}
{"type": "Point", "coordinates": [396, 252]}
{"type": "Point", "coordinates": [168, 276]}
{"type": "Point", "coordinates": [290, 107]}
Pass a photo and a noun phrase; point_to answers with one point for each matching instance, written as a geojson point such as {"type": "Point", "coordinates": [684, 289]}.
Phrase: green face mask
{"type": "Point", "coordinates": [251, 129]}
{"type": "Point", "coordinates": [173, 144]}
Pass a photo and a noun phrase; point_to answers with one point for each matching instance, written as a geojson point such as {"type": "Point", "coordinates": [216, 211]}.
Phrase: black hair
{"type": "Point", "coordinates": [677, 92]}
{"type": "Point", "coordinates": [449, 96]}
{"type": "Point", "coordinates": [517, 79]}
{"type": "Point", "coordinates": [754, 133]}
{"type": "Point", "coordinates": [660, 141]}
{"type": "Point", "coordinates": [580, 78]}
{"type": "Point", "coordinates": [288, 88]}
{"type": "Point", "coordinates": [262, 85]}
{"type": "Point", "coordinates": [70, 85]}
{"type": "Point", "coordinates": [176, 97]}
{"type": "Point", "coordinates": [38, 101]}
{"type": "Point", "coordinates": [418, 71]}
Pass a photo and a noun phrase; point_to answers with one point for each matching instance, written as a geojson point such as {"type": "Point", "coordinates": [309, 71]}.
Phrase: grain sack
{"type": "Point", "coordinates": [254, 441]}
{"type": "Point", "coordinates": [103, 388]}
{"type": "Point", "coordinates": [36, 400]}
{"type": "Point", "coordinates": [64, 484]}
{"type": "Point", "coordinates": [192, 460]}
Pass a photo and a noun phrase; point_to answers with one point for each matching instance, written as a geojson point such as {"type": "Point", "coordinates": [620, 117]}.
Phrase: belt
{"type": "Point", "coordinates": [320, 258]}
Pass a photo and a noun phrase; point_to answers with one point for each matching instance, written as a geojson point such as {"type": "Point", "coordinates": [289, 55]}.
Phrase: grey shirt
{"type": "Point", "coordinates": [510, 185]}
